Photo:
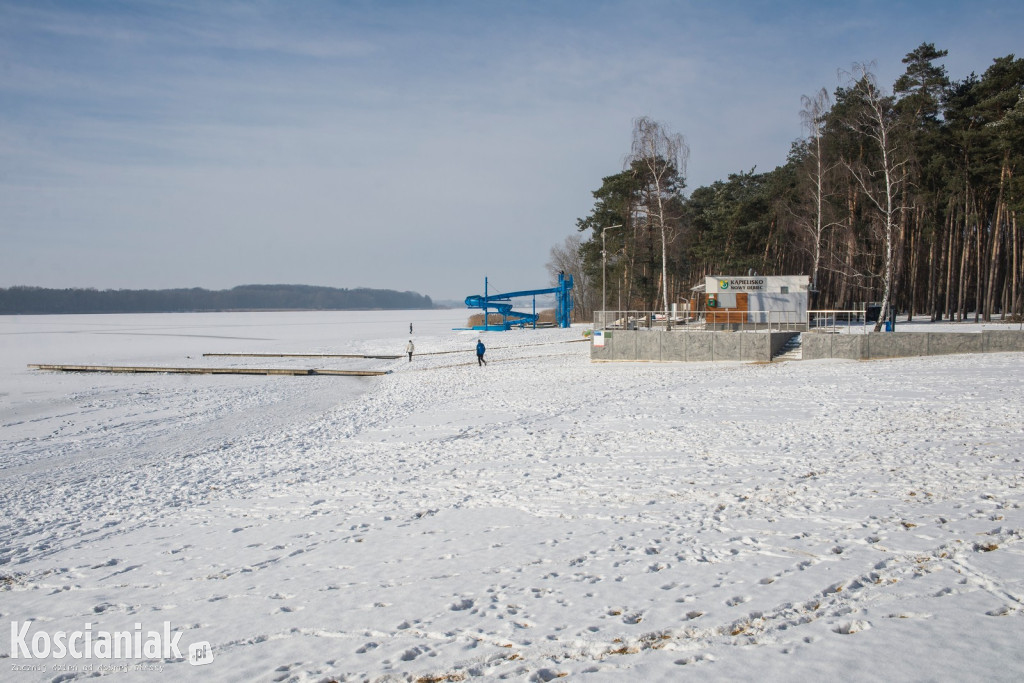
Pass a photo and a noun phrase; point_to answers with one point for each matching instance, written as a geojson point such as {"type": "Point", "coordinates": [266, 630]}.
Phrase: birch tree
{"type": "Point", "coordinates": [812, 117]}
{"type": "Point", "coordinates": [661, 157]}
{"type": "Point", "coordinates": [882, 175]}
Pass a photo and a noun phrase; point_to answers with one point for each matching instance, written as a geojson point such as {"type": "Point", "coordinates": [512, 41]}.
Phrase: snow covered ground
{"type": "Point", "coordinates": [538, 517]}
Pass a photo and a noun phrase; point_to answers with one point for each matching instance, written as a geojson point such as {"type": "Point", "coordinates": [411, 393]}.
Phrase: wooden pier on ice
{"type": "Point", "coordinates": [299, 355]}
{"type": "Point", "coordinates": [206, 371]}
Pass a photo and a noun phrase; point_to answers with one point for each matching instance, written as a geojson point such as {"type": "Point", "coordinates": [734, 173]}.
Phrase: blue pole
{"type": "Point", "coordinates": [564, 302]}
{"type": "Point", "coordinates": [558, 300]}
{"type": "Point", "coordinates": [485, 303]}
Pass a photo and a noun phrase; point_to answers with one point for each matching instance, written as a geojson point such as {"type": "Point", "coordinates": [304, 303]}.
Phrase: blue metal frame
{"type": "Point", "coordinates": [510, 318]}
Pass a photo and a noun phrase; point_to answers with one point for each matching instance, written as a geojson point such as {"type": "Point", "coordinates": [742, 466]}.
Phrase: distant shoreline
{"type": "Point", "coordinates": [232, 310]}
{"type": "Point", "coordinates": [244, 298]}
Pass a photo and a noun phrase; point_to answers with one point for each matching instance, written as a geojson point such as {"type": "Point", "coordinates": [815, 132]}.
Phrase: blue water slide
{"type": "Point", "coordinates": [501, 303]}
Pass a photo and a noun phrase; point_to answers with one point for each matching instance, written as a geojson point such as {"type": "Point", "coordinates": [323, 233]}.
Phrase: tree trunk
{"type": "Point", "coordinates": [964, 273]}
{"type": "Point", "coordinates": [979, 274]}
{"type": "Point", "coordinates": [951, 229]}
{"type": "Point", "coordinates": [996, 240]}
{"type": "Point", "coordinates": [932, 304]}
{"type": "Point", "coordinates": [1018, 295]}
{"type": "Point", "coordinates": [911, 278]}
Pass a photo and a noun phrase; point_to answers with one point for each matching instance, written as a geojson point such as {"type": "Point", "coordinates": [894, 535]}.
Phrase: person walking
{"type": "Point", "coordinates": [480, 348]}
{"type": "Point", "coordinates": [409, 348]}
{"type": "Point", "coordinates": [410, 328]}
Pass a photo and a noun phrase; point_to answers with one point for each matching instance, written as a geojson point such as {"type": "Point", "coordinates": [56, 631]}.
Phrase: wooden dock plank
{"type": "Point", "coordinates": [204, 371]}
{"type": "Point", "coordinates": [299, 355]}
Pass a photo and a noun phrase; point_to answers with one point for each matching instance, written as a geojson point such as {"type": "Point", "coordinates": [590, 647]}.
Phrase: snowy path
{"type": "Point", "coordinates": [541, 516]}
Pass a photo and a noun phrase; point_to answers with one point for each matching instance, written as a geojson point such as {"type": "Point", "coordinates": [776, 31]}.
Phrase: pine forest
{"type": "Point", "coordinates": [907, 197]}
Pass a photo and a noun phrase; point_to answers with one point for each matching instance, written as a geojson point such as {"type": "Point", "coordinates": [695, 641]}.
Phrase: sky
{"type": "Point", "coordinates": [414, 146]}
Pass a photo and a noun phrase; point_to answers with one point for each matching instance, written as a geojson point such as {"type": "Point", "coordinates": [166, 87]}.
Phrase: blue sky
{"type": "Point", "coordinates": [403, 145]}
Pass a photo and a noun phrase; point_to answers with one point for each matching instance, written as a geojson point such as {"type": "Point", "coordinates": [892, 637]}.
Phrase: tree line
{"type": "Point", "coordinates": [32, 300]}
{"type": "Point", "coordinates": [908, 198]}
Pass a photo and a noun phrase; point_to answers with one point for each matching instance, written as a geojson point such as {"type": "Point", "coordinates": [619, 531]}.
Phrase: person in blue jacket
{"type": "Point", "coordinates": [480, 348]}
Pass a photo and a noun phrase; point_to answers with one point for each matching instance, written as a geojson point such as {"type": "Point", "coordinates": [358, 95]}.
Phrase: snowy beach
{"type": "Point", "coordinates": [540, 517]}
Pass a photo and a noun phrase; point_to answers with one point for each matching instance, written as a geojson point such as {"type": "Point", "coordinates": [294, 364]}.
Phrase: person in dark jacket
{"type": "Point", "coordinates": [480, 348]}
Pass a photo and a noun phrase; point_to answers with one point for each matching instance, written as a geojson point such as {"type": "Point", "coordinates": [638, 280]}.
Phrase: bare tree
{"type": "Point", "coordinates": [882, 175]}
{"type": "Point", "coordinates": [567, 258]}
{"type": "Point", "coordinates": [662, 157]}
{"type": "Point", "coordinates": [813, 118]}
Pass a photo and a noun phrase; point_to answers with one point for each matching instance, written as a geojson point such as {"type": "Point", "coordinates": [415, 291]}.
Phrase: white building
{"type": "Point", "coordinates": [738, 299]}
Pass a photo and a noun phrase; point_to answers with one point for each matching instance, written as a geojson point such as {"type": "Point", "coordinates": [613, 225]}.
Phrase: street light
{"type": "Point", "coordinates": [604, 262]}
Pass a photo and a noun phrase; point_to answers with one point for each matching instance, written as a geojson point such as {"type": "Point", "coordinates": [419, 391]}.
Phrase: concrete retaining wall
{"type": "Point", "coordinates": [940, 344]}
{"type": "Point", "coordinates": [699, 346]}
{"type": "Point", "coordinates": [905, 344]}
{"type": "Point", "coordinates": [816, 346]}
{"type": "Point", "coordinates": [997, 341]}
{"type": "Point", "coordinates": [896, 345]}
{"type": "Point", "coordinates": [689, 346]}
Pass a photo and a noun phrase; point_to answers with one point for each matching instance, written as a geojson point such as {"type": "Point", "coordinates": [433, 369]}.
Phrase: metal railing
{"type": "Point", "coordinates": [745, 321]}
{"type": "Point", "coordinates": [836, 321]}
{"type": "Point", "coordinates": [640, 320]}
{"type": "Point", "coordinates": [783, 320]}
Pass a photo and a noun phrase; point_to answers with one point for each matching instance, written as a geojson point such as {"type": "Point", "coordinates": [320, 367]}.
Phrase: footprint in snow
{"type": "Point", "coordinates": [415, 652]}
{"type": "Point", "coordinates": [850, 627]}
{"type": "Point", "coordinates": [1003, 611]}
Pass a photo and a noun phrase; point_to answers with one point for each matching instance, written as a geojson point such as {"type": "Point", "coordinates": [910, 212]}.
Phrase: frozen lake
{"type": "Point", "coordinates": [538, 517]}
{"type": "Point", "coordinates": [84, 416]}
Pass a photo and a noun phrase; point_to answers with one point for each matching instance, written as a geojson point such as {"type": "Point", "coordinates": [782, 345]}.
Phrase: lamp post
{"type": "Point", "coordinates": [604, 262]}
